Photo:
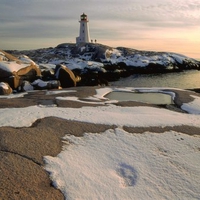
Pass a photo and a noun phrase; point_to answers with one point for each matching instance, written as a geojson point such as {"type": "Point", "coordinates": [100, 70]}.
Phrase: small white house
{"type": "Point", "coordinates": [84, 35]}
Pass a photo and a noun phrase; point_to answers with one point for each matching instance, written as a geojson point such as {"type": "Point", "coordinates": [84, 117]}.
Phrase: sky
{"type": "Point", "coordinates": [116, 164]}
{"type": "Point", "coordinates": [167, 25]}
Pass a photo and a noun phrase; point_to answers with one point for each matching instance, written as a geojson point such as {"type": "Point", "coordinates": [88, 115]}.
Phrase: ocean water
{"type": "Point", "coordinates": [184, 80]}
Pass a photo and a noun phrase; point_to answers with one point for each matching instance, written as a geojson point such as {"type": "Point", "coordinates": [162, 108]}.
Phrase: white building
{"type": "Point", "coordinates": [84, 35]}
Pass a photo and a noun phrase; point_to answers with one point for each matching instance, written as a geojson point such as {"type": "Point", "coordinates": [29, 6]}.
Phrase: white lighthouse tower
{"type": "Point", "coordinates": [84, 35]}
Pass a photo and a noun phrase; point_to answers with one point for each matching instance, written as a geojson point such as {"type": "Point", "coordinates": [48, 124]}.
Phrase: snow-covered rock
{"type": "Point", "coordinates": [5, 89]}
{"type": "Point", "coordinates": [26, 86]}
{"type": "Point", "coordinates": [14, 70]}
{"type": "Point", "coordinates": [3, 57]}
{"type": "Point", "coordinates": [26, 59]}
{"type": "Point", "coordinates": [78, 56]}
{"type": "Point", "coordinates": [92, 59]}
{"type": "Point", "coordinates": [41, 85]}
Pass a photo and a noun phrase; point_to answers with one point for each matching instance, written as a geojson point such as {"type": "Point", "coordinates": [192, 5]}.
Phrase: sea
{"type": "Point", "coordinates": [189, 79]}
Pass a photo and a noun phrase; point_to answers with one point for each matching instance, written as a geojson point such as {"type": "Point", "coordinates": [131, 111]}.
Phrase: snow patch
{"type": "Point", "coordinates": [110, 115]}
{"type": "Point", "coordinates": [40, 83]}
{"type": "Point", "coordinates": [11, 66]}
{"type": "Point", "coordinates": [52, 92]}
{"type": "Point", "coordinates": [192, 107]}
{"type": "Point", "coordinates": [120, 165]}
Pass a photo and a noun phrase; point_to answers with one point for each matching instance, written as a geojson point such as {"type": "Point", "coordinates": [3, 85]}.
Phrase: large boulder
{"type": "Point", "coordinates": [5, 89]}
{"type": "Point", "coordinates": [65, 76]}
{"type": "Point", "coordinates": [14, 71]}
{"type": "Point", "coordinates": [25, 86]}
{"type": "Point", "coordinates": [3, 57]}
{"type": "Point", "coordinates": [41, 85]}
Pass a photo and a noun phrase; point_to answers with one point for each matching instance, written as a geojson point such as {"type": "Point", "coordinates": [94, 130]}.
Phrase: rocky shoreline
{"type": "Point", "coordinates": [88, 64]}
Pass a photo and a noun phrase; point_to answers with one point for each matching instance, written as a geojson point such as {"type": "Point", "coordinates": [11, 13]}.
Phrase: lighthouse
{"type": "Point", "coordinates": [84, 35]}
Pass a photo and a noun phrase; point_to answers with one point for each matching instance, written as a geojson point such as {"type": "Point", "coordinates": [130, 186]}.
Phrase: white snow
{"type": "Point", "coordinates": [111, 115]}
{"type": "Point", "coordinates": [40, 83]}
{"type": "Point", "coordinates": [117, 164]}
{"type": "Point", "coordinates": [142, 59]}
{"type": "Point", "coordinates": [26, 59]}
{"type": "Point", "coordinates": [192, 107]}
{"type": "Point", "coordinates": [100, 93]}
{"type": "Point", "coordinates": [77, 63]}
{"type": "Point", "coordinates": [179, 58]}
{"type": "Point", "coordinates": [52, 92]}
{"type": "Point", "coordinates": [47, 66]}
{"type": "Point", "coordinates": [27, 86]}
{"type": "Point", "coordinates": [130, 57]}
{"type": "Point", "coordinates": [88, 100]}
{"type": "Point", "coordinates": [120, 165]}
{"type": "Point", "coordinates": [4, 85]}
{"type": "Point", "coordinates": [11, 66]}
{"type": "Point", "coordinates": [11, 96]}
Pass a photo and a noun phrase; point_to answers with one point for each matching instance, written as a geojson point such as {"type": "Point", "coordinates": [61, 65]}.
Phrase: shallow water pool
{"type": "Point", "coordinates": [152, 98]}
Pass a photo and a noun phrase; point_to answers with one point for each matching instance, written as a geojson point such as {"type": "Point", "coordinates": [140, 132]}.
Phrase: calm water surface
{"type": "Point", "coordinates": [184, 80]}
{"type": "Point", "coordinates": [153, 98]}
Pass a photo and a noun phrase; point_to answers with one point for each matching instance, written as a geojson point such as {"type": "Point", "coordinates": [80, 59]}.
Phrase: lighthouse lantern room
{"type": "Point", "coordinates": [84, 35]}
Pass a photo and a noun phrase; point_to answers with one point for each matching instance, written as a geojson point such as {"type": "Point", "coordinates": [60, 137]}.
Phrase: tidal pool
{"type": "Point", "coordinates": [151, 98]}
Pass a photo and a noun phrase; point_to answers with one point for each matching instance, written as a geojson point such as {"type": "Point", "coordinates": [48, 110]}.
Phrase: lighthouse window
{"type": "Point", "coordinates": [83, 24]}
{"type": "Point", "coordinates": [83, 31]}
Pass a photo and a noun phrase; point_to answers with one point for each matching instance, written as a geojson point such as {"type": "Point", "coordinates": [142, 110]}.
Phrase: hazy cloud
{"type": "Point", "coordinates": [108, 19]}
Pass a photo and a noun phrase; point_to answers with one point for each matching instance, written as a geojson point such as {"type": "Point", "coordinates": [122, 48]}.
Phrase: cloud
{"type": "Point", "coordinates": [109, 20]}
{"type": "Point", "coordinates": [154, 13]}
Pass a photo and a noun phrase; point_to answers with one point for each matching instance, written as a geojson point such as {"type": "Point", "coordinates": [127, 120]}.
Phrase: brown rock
{"type": "Point", "coordinates": [22, 179]}
{"type": "Point", "coordinates": [5, 89]}
{"type": "Point", "coordinates": [65, 76]}
{"type": "Point", "coordinates": [14, 71]}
